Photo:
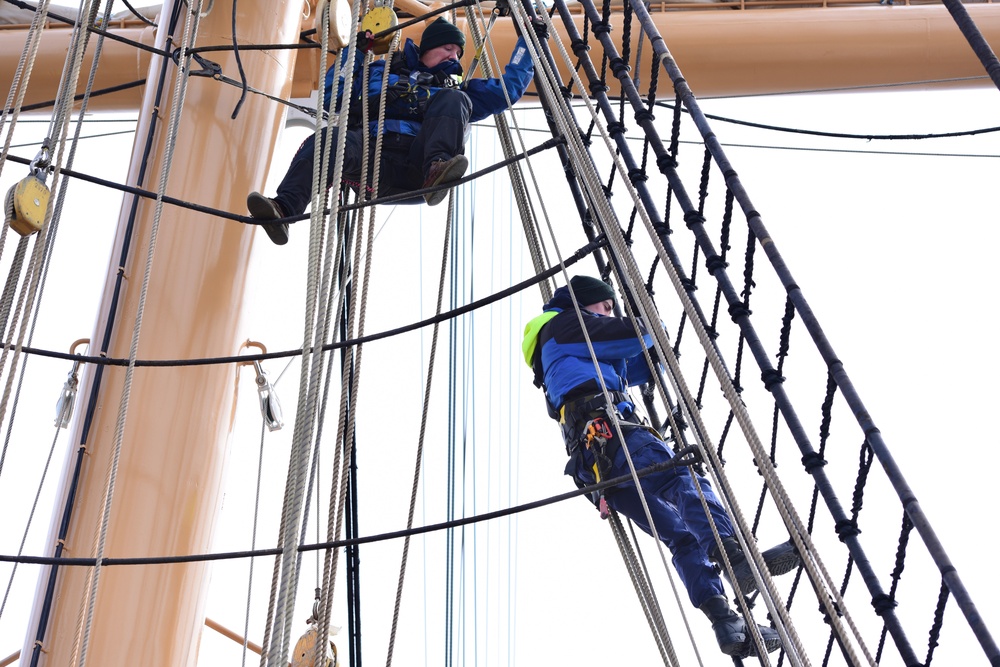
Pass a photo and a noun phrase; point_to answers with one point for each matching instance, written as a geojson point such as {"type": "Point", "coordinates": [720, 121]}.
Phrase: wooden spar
{"type": "Point", "coordinates": [721, 52]}
{"type": "Point", "coordinates": [174, 451]}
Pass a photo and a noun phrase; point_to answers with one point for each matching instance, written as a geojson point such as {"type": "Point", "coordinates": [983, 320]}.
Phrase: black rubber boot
{"type": "Point", "coordinates": [731, 630]}
{"type": "Point", "coordinates": [779, 560]}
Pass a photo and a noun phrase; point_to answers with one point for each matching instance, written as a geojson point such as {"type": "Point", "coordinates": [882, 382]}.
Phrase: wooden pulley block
{"type": "Point", "coordinates": [25, 205]}
{"type": "Point", "coordinates": [304, 654]}
{"type": "Point", "coordinates": [340, 23]}
{"type": "Point", "coordinates": [377, 20]}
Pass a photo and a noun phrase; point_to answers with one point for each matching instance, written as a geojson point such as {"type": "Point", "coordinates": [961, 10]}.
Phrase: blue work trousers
{"type": "Point", "coordinates": [674, 504]}
{"type": "Point", "coordinates": [405, 157]}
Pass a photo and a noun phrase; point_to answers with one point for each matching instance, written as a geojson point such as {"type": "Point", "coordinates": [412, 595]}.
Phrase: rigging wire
{"type": "Point", "coordinates": [190, 33]}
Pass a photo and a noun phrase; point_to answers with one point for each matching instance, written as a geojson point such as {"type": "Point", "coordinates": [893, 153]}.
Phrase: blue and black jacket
{"type": "Point", "coordinates": [411, 85]}
{"type": "Point", "coordinates": [555, 348]}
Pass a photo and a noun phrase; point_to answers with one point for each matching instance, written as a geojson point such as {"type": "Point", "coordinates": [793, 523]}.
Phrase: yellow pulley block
{"type": "Point", "coordinates": [25, 205]}
{"type": "Point", "coordinates": [304, 654]}
{"type": "Point", "coordinates": [377, 20]}
{"type": "Point", "coordinates": [340, 23]}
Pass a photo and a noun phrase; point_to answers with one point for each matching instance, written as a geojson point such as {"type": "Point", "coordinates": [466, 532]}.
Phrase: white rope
{"type": "Point", "coordinates": [529, 220]}
{"type": "Point", "coordinates": [423, 430]}
{"type": "Point", "coordinates": [19, 89]}
{"type": "Point", "coordinates": [793, 523]}
{"type": "Point", "coordinates": [180, 88]}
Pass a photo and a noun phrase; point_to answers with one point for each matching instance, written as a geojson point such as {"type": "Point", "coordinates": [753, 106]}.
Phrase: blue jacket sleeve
{"type": "Point", "coordinates": [332, 74]}
{"type": "Point", "coordinates": [487, 95]}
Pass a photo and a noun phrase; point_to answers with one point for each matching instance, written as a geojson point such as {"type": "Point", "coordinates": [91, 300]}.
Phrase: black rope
{"type": "Point", "coordinates": [76, 98]}
{"type": "Point", "coordinates": [689, 456]}
{"type": "Point", "coordinates": [239, 66]}
{"type": "Point", "coordinates": [136, 13]}
{"type": "Point", "coordinates": [935, 632]}
{"type": "Point", "coordinates": [173, 201]}
{"type": "Point", "coordinates": [837, 135]}
{"type": "Point", "coordinates": [580, 254]}
{"type": "Point", "coordinates": [889, 601]}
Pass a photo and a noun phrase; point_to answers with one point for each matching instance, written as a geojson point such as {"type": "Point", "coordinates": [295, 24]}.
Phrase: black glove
{"type": "Point", "coordinates": [538, 25]}
{"type": "Point", "coordinates": [540, 28]}
{"type": "Point", "coordinates": [366, 41]}
{"type": "Point", "coordinates": [502, 8]}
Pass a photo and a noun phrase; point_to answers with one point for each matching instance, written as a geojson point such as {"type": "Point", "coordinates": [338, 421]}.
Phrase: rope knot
{"type": "Point", "coordinates": [812, 461]}
{"type": "Point", "coordinates": [637, 176]}
{"type": "Point", "coordinates": [644, 116]}
{"type": "Point", "coordinates": [579, 46]}
{"type": "Point", "coordinates": [603, 28]}
{"type": "Point", "coordinates": [847, 528]}
{"type": "Point", "coordinates": [693, 218]}
{"type": "Point", "coordinates": [883, 604]}
{"type": "Point", "coordinates": [739, 311]}
{"type": "Point", "coordinates": [666, 162]}
{"type": "Point", "coordinates": [619, 67]}
{"type": "Point", "coordinates": [714, 263]}
{"type": "Point", "coordinates": [616, 128]}
{"type": "Point", "coordinates": [771, 377]}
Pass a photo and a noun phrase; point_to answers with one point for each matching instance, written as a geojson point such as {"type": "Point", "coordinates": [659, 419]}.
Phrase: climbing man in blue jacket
{"type": "Point", "coordinates": [555, 348]}
{"type": "Point", "coordinates": [428, 110]}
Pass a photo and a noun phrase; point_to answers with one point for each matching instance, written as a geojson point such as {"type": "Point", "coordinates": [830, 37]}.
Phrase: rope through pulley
{"type": "Point", "coordinates": [28, 199]}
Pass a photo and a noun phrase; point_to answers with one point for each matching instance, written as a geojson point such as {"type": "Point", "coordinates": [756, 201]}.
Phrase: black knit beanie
{"type": "Point", "coordinates": [591, 290]}
{"type": "Point", "coordinates": [439, 33]}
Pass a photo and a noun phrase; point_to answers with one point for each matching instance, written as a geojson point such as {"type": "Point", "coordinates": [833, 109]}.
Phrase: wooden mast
{"type": "Point", "coordinates": [174, 449]}
{"type": "Point", "coordinates": [722, 52]}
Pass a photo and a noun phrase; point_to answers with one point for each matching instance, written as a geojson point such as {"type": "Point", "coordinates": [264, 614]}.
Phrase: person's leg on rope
{"type": "Point", "coordinates": [779, 559]}
{"type": "Point", "coordinates": [697, 574]}
{"type": "Point", "coordinates": [295, 190]}
{"type": "Point", "coordinates": [669, 494]}
{"type": "Point", "coordinates": [439, 145]}
{"type": "Point", "coordinates": [680, 488]}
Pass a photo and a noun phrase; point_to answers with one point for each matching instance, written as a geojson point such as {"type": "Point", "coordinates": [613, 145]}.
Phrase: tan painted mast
{"type": "Point", "coordinates": [722, 52]}
{"type": "Point", "coordinates": [175, 439]}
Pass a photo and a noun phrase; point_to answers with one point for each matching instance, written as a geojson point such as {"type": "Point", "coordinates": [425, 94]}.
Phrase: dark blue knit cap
{"type": "Point", "coordinates": [590, 290]}
{"type": "Point", "coordinates": [439, 33]}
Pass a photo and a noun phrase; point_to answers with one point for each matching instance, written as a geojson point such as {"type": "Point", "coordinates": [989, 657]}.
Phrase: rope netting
{"type": "Point", "coordinates": [754, 313]}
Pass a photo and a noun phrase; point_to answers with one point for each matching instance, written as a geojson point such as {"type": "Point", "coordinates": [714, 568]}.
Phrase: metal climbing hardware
{"type": "Point", "coordinates": [379, 19]}
{"type": "Point", "coordinates": [270, 407]}
{"type": "Point", "coordinates": [501, 8]}
{"type": "Point", "coordinates": [596, 436]}
{"type": "Point", "coordinates": [64, 406]}
{"type": "Point", "coordinates": [28, 199]}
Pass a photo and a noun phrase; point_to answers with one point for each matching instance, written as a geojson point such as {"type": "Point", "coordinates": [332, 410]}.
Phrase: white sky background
{"type": "Point", "coordinates": [893, 252]}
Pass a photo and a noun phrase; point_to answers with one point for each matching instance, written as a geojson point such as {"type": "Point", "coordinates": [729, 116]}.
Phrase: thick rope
{"type": "Point", "coordinates": [423, 431]}
{"type": "Point", "coordinates": [180, 88]}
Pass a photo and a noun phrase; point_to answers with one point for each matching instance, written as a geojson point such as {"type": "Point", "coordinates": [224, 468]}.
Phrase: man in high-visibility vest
{"type": "Point", "coordinates": [558, 353]}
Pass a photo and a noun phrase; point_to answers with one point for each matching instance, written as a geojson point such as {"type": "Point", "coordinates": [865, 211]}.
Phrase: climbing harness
{"type": "Point", "coordinates": [596, 436]}
{"type": "Point", "coordinates": [28, 199]}
{"type": "Point", "coordinates": [405, 99]}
